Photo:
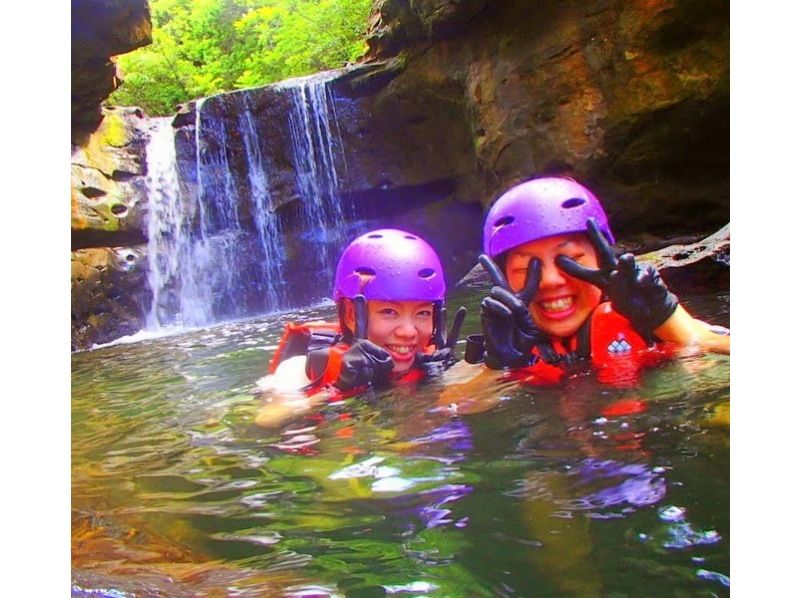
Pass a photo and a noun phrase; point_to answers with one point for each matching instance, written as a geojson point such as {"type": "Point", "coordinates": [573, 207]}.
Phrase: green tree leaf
{"type": "Point", "coordinates": [204, 47]}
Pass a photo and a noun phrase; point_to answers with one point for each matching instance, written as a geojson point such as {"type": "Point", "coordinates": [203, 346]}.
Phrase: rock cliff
{"type": "Point", "coordinates": [109, 264]}
{"type": "Point", "coordinates": [101, 29]}
{"type": "Point", "coordinates": [628, 96]}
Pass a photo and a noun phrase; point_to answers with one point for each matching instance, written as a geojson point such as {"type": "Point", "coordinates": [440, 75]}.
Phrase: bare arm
{"type": "Point", "coordinates": [283, 396]}
{"type": "Point", "coordinates": [683, 329]}
{"type": "Point", "coordinates": [637, 292]}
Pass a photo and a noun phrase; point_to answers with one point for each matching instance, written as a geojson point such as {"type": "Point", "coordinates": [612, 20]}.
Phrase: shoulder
{"type": "Point", "coordinates": [289, 376]}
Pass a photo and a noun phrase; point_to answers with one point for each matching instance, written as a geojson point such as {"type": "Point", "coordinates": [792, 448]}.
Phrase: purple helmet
{"type": "Point", "coordinates": [400, 266]}
{"type": "Point", "coordinates": [540, 208]}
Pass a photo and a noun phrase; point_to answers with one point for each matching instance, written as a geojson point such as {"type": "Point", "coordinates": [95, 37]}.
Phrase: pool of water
{"type": "Point", "coordinates": [456, 486]}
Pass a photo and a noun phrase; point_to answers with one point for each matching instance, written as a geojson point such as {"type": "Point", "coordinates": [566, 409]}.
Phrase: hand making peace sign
{"type": "Point", "coordinates": [636, 291]}
{"type": "Point", "coordinates": [444, 356]}
{"type": "Point", "coordinates": [509, 331]}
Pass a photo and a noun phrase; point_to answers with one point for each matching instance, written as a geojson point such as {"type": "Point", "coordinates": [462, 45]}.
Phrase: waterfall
{"type": "Point", "coordinates": [170, 244]}
{"type": "Point", "coordinates": [267, 223]}
{"type": "Point", "coordinates": [193, 238]}
{"type": "Point", "coordinates": [215, 241]}
{"type": "Point", "coordinates": [215, 270]}
{"type": "Point", "coordinates": [315, 143]}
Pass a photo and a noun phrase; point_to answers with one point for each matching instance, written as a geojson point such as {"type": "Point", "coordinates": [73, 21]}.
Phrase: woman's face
{"type": "Point", "coordinates": [401, 327]}
{"type": "Point", "coordinates": [563, 302]}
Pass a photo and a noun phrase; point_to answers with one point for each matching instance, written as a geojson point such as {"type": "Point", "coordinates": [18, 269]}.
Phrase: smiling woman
{"type": "Point", "coordinates": [402, 328]}
{"type": "Point", "coordinates": [561, 293]}
{"type": "Point", "coordinates": [390, 291]}
{"type": "Point", "coordinates": [563, 302]}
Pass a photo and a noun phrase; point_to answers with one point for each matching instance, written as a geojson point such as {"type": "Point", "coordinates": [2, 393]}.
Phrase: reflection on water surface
{"type": "Point", "coordinates": [575, 489]}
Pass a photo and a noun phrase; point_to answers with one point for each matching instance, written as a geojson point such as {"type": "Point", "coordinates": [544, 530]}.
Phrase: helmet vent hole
{"type": "Point", "coordinates": [426, 273]}
{"type": "Point", "coordinates": [365, 271]}
{"type": "Point", "coordinates": [573, 202]}
{"type": "Point", "coordinates": [504, 221]}
{"type": "Point", "coordinates": [375, 237]}
{"type": "Point", "coordinates": [412, 237]}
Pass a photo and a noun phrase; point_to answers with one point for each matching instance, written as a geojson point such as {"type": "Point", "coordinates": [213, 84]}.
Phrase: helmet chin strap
{"type": "Point", "coordinates": [348, 332]}
{"type": "Point", "coordinates": [439, 323]}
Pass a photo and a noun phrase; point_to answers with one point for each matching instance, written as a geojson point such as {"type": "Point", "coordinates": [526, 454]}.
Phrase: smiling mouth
{"type": "Point", "coordinates": [556, 306]}
{"type": "Point", "coordinates": [401, 351]}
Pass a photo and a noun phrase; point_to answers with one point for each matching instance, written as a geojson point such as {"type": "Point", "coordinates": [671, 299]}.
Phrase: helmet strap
{"type": "Point", "coordinates": [347, 333]}
{"type": "Point", "coordinates": [438, 305]}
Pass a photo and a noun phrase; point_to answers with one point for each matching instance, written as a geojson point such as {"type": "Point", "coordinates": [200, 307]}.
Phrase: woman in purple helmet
{"type": "Point", "coordinates": [389, 288]}
{"type": "Point", "coordinates": [560, 293]}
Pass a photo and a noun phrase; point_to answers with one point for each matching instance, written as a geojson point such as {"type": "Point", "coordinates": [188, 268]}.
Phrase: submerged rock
{"type": "Point", "coordinates": [715, 247]}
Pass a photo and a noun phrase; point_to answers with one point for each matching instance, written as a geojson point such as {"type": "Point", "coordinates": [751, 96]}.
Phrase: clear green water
{"type": "Point", "coordinates": [578, 489]}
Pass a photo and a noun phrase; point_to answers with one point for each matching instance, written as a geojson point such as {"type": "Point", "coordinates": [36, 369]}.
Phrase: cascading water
{"type": "Point", "coordinates": [219, 239]}
{"type": "Point", "coordinates": [267, 222]}
{"type": "Point", "coordinates": [216, 188]}
{"type": "Point", "coordinates": [209, 261]}
{"type": "Point", "coordinates": [314, 137]}
{"type": "Point", "coordinates": [195, 239]}
{"type": "Point", "coordinates": [170, 243]}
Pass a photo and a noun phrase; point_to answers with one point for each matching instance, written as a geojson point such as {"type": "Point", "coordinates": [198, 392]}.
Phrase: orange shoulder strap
{"type": "Point", "coordinates": [296, 338]}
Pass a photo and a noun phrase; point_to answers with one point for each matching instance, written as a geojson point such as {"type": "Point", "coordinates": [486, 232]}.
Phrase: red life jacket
{"type": "Point", "coordinates": [323, 345]}
{"type": "Point", "coordinates": [616, 350]}
{"type": "Point", "coordinates": [308, 339]}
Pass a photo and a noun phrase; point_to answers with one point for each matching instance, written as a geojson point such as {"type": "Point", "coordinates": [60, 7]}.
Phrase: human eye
{"type": "Point", "coordinates": [388, 312]}
{"type": "Point", "coordinates": [425, 313]}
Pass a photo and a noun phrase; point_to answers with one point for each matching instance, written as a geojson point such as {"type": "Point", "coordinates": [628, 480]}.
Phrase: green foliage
{"type": "Point", "coordinates": [203, 47]}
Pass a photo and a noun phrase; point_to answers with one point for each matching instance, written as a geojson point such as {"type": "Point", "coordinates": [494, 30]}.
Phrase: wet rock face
{"type": "Point", "coordinates": [222, 134]}
{"type": "Point", "coordinates": [101, 29]}
{"type": "Point", "coordinates": [410, 133]}
{"type": "Point", "coordinates": [109, 262]}
{"type": "Point", "coordinates": [397, 24]}
{"type": "Point", "coordinates": [109, 291]}
{"type": "Point", "coordinates": [629, 97]}
{"type": "Point", "coordinates": [108, 182]}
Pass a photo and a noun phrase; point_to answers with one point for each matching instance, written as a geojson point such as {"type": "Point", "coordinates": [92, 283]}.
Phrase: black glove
{"type": "Point", "coordinates": [508, 329]}
{"type": "Point", "coordinates": [636, 291]}
{"type": "Point", "coordinates": [364, 362]}
{"type": "Point", "coordinates": [444, 356]}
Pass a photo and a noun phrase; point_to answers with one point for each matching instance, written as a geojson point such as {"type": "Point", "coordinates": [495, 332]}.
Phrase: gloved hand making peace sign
{"type": "Point", "coordinates": [508, 329]}
{"type": "Point", "coordinates": [636, 291]}
{"type": "Point", "coordinates": [364, 362]}
{"type": "Point", "coordinates": [444, 356]}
